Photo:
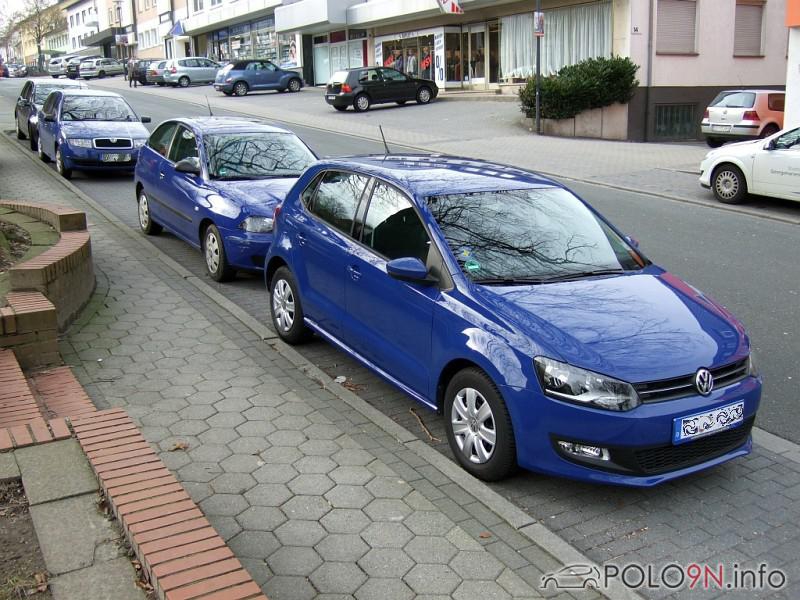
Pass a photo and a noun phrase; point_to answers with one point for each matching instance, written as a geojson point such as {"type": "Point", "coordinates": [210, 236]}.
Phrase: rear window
{"type": "Point", "coordinates": [338, 77]}
{"type": "Point", "coordinates": [735, 100]}
{"type": "Point", "coordinates": [776, 102]}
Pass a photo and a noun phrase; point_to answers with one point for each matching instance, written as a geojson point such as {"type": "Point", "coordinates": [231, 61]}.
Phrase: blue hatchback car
{"type": "Point", "coordinates": [89, 130]}
{"type": "Point", "coordinates": [215, 182]}
{"type": "Point", "coordinates": [502, 300]}
{"type": "Point", "coordinates": [243, 76]}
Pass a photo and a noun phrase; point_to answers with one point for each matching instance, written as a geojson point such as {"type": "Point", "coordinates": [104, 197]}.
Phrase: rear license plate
{"type": "Point", "coordinates": [685, 429]}
{"type": "Point", "coordinates": [721, 128]}
{"type": "Point", "coordinates": [116, 157]}
{"type": "Point", "coordinates": [331, 96]}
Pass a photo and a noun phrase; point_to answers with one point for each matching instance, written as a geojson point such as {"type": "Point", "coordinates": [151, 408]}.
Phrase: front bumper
{"type": "Point", "coordinates": [91, 159]}
{"type": "Point", "coordinates": [639, 441]}
{"type": "Point", "coordinates": [246, 250]}
{"type": "Point", "coordinates": [706, 166]}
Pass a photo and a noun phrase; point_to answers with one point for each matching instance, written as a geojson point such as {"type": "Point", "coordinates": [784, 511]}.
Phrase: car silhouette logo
{"type": "Point", "coordinates": [578, 576]}
{"type": "Point", "coordinates": [704, 381]}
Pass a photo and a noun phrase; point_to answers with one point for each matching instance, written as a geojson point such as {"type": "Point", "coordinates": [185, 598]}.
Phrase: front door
{"type": "Point", "coordinates": [776, 172]}
{"type": "Point", "coordinates": [180, 189]}
{"type": "Point", "coordinates": [397, 86]}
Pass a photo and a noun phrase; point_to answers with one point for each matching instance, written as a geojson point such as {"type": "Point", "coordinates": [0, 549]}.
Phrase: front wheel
{"type": "Point", "coordinates": [61, 166]}
{"type": "Point", "coordinates": [40, 150]}
{"type": "Point", "coordinates": [729, 184]}
{"type": "Point", "coordinates": [286, 308]}
{"type": "Point", "coordinates": [240, 89]}
{"type": "Point", "coordinates": [20, 133]}
{"type": "Point", "coordinates": [424, 95]}
{"type": "Point", "coordinates": [294, 85]}
{"type": "Point", "coordinates": [184, 81]}
{"type": "Point", "coordinates": [146, 223]}
{"type": "Point", "coordinates": [479, 427]}
{"type": "Point", "coordinates": [216, 260]}
{"type": "Point", "coordinates": [32, 138]}
{"type": "Point", "coordinates": [361, 103]}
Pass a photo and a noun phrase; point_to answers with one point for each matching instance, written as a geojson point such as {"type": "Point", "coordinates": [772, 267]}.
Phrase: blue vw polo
{"type": "Point", "coordinates": [502, 300]}
{"type": "Point", "coordinates": [89, 130]}
{"type": "Point", "coordinates": [214, 182]}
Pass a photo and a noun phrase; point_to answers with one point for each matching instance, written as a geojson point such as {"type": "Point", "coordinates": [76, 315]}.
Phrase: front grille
{"type": "Point", "coordinates": [113, 143]}
{"type": "Point", "coordinates": [680, 387]}
{"type": "Point", "coordinates": [651, 461]}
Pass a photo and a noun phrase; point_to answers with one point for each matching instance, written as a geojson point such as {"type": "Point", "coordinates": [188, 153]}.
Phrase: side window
{"type": "Point", "coordinates": [161, 137]}
{"type": "Point", "coordinates": [253, 66]}
{"type": "Point", "coordinates": [184, 145]}
{"type": "Point", "coordinates": [392, 75]}
{"type": "Point", "coordinates": [392, 227]}
{"type": "Point", "coordinates": [50, 104]}
{"type": "Point", "coordinates": [337, 197]}
{"type": "Point", "coordinates": [268, 66]}
{"type": "Point", "coordinates": [307, 197]}
{"type": "Point", "coordinates": [368, 75]}
{"type": "Point", "coordinates": [26, 91]}
{"type": "Point", "coordinates": [790, 139]}
{"type": "Point", "coordinates": [776, 102]}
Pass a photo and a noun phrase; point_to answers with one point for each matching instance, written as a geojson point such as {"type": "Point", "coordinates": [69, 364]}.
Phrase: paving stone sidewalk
{"type": "Point", "coordinates": [300, 484]}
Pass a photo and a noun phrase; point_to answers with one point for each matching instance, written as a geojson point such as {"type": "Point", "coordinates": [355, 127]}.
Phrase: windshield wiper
{"type": "Point", "coordinates": [509, 280]}
{"type": "Point", "coordinates": [583, 274]}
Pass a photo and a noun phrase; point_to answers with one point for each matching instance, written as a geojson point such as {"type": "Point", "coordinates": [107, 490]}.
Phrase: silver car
{"type": "Point", "coordinates": [155, 72]}
{"type": "Point", "coordinates": [186, 71]}
{"type": "Point", "coordinates": [58, 66]}
{"type": "Point", "coordinates": [100, 67]}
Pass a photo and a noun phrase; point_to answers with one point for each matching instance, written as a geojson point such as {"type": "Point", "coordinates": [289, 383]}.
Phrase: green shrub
{"type": "Point", "coordinates": [592, 83]}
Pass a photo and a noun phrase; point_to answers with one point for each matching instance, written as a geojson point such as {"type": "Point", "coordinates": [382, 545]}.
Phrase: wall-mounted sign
{"type": "Point", "coordinates": [451, 7]}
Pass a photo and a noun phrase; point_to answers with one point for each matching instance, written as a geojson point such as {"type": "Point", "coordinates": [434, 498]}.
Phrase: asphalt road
{"type": "Point", "coordinates": [748, 263]}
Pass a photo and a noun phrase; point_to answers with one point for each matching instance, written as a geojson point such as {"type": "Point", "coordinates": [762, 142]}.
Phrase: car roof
{"type": "Point", "coordinates": [438, 174]}
{"type": "Point", "coordinates": [64, 83]}
{"type": "Point", "coordinates": [229, 124]}
{"type": "Point", "coordinates": [89, 92]}
{"type": "Point", "coordinates": [759, 91]}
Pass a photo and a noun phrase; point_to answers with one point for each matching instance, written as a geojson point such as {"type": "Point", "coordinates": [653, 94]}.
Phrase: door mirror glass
{"type": "Point", "coordinates": [408, 269]}
{"type": "Point", "coordinates": [189, 165]}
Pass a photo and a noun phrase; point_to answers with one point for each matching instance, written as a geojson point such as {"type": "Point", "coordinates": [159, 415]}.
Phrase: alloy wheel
{"type": "Point", "coordinates": [294, 85]}
{"type": "Point", "coordinates": [362, 102]}
{"type": "Point", "coordinates": [212, 252]}
{"type": "Point", "coordinates": [240, 89]}
{"type": "Point", "coordinates": [473, 425]}
{"type": "Point", "coordinates": [283, 305]}
{"type": "Point", "coordinates": [424, 96]}
{"type": "Point", "coordinates": [726, 184]}
{"type": "Point", "coordinates": [144, 211]}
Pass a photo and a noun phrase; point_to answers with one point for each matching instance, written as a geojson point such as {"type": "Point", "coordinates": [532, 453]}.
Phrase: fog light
{"type": "Point", "coordinates": [584, 451]}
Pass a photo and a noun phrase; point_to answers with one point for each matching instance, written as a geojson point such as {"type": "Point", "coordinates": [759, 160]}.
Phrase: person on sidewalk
{"type": "Point", "coordinates": [132, 82]}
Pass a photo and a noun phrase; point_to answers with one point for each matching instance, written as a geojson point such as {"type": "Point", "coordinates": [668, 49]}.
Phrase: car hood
{"type": "Point", "coordinates": [639, 327]}
{"type": "Point", "coordinates": [738, 148]}
{"type": "Point", "coordinates": [90, 129]}
{"type": "Point", "coordinates": [257, 197]}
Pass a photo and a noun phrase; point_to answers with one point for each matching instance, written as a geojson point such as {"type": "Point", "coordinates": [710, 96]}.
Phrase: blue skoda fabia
{"type": "Point", "coordinates": [503, 301]}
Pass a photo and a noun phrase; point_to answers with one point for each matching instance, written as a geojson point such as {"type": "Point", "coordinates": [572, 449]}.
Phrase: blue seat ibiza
{"type": "Point", "coordinates": [502, 300]}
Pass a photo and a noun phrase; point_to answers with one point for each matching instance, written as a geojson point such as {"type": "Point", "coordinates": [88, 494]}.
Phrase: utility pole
{"type": "Point", "coordinates": [538, 66]}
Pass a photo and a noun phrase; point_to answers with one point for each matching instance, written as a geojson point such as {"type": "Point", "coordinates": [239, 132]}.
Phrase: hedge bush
{"type": "Point", "coordinates": [592, 83]}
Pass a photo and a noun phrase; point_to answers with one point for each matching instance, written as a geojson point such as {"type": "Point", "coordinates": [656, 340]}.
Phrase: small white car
{"type": "Point", "coordinates": [768, 167]}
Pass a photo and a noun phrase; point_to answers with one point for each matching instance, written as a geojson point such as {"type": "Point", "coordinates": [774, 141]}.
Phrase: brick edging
{"type": "Point", "coordinates": [179, 550]}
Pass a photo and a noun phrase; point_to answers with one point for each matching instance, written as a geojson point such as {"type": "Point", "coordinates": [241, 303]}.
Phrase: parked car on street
{"type": "Point", "coordinates": [214, 182]}
{"type": "Point", "coordinates": [155, 72]}
{"type": "Point", "coordinates": [365, 86]}
{"type": "Point", "coordinates": [30, 101]}
{"type": "Point", "coordinates": [140, 69]}
{"type": "Point", "coordinates": [17, 70]}
{"type": "Point", "coordinates": [100, 67]}
{"type": "Point", "coordinates": [186, 71]}
{"type": "Point", "coordinates": [742, 115]}
{"type": "Point", "coordinates": [499, 298]}
{"type": "Point", "coordinates": [89, 130]}
{"type": "Point", "coordinates": [73, 65]}
{"type": "Point", "coordinates": [58, 66]}
{"type": "Point", "coordinates": [768, 167]}
{"type": "Point", "coordinates": [243, 76]}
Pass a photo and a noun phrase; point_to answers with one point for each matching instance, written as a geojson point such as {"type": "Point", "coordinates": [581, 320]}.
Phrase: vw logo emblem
{"type": "Point", "coordinates": [112, 140]}
{"type": "Point", "coordinates": [704, 381]}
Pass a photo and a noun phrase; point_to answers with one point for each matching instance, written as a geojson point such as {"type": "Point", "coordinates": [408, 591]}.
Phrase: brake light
{"type": "Point", "coordinates": [276, 212]}
{"type": "Point", "coordinates": [705, 114]}
{"type": "Point", "coordinates": [173, 70]}
{"type": "Point", "coordinates": [346, 88]}
{"type": "Point", "coordinates": [750, 115]}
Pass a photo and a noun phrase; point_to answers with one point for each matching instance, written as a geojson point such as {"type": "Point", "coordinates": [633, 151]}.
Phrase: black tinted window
{"type": "Point", "coordinates": [337, 199]}
{"type": "Point", "coordinates": [392, 227]}
{"type": "Point", "coordinates": [161, 138]}
{"type": "Point", "coordinates": [184, 145]}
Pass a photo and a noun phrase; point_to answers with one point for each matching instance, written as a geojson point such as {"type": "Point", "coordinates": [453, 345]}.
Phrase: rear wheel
{"type": "Point", "coordinates": [20, 134]}
{"type": "Point", "coordinates": [294, 85]}
{"type": "Point", "coordinates": [40, 150]}
{"type": "Point", "coordinates": [146, 223]}
{"type": "Point", "coordinates": [424, 95]}
{"type": "Point", "coordinates": [714, 142]}
{"type": "Point", "coordinates": [240, 89]}
{"type": "Point", "coordinates": [340, 108]}
{"type": "Point", "coordinates": [184, 81]}
{"type": "Point", "coordinates": [61, 166]}
{"type": "Point", "coordinates": [286, 308]}
{"type": "Point", "coordinates": [361, 103]}
{"type": "Point", "coordinates": [728, 184]}
{"type": "Point", "coordinates": [32, 138]}
{"type": "Point", "coordinates": [769, 130]}
{"type": "Point", "coordinates": [214, 253]}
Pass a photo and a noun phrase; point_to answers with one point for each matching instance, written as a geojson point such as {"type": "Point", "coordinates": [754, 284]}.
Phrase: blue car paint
{"type": "Point", "coordinates": [183, 202]}
{"type": "Point", "coordinates": [57, 132]}
{"type": "Point", "coordinates": [640, 326]}
{"type": "Point", "coordinates": [256, 80]}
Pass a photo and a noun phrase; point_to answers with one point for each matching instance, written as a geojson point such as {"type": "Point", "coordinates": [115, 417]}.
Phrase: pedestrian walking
{"type": "Point", "coordinates": [132, 82]}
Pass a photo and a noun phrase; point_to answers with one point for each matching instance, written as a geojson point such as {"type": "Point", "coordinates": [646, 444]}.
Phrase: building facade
{"type": "Point", "coordinates": [83, 21]}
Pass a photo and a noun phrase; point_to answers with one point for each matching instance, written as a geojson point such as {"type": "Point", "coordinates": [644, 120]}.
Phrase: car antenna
{"type": "Point", "coordinates": [383, 137]}
{"type": "Point", "coordinates": [210, 114]}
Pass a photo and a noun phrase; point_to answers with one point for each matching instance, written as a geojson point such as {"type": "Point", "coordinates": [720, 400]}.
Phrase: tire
{"type": "Point", "coordinates": [146, 223]}
{"type": "Point", "coordinates": [32, 138]}
{"type": "Point", "coordinates": [184, 81]}
{"type": "Point", "coordinates": [214, 254]}
{"type": "Point", "coordinates": [769, 130]}
{"type": "Point", "coordinates": [424, 95]}
{"type": "Point", "coordinates": [228, 93]}
{"type": "Point", "coordinates": [728, 184]}
{"type": "Point", "coordinates": [240, 88]}
{"type": "Point", "coordinates": [340, 108]}
{"type": "Point", "coordinates": [55, 76]}
{"type": "Point", "coordinates": [361, 103]}
{"type": "Point", "coordinates": [714, 142]}
{"type": "Point", "coordinates": [286, 308]}
{"type": "Point", "coordinates": [471, 427]}
{"type": "Point", "coordinates": [294, 85]}
{"type": "Point", "coordinates": [401, 102]}
{"type": "Point", "coordinates": [20, 134]}
{"type": "Point", "coordinates": [62, 170]}
{"type": "Point", "coordinates": [42, 156]}
{"type": "Point", "coordinates": [101, 74]}
{"type": "Point", "coordinates": [160, 83]}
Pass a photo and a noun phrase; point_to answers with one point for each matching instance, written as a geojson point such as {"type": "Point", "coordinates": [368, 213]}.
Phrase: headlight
{"type": "Point", "coordinates": [139, 143]}
{"type": "Point", "coordinates": [257, 224]}
{"type": "Point", "coordinates": [80, 142]}
{"type": "Point", "coordinates": [573, 384]}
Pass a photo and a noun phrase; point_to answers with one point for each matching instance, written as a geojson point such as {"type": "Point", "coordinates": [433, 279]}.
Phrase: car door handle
{"type": "Point", "coordinates": [301, 239]}
{"type": "Point", "coordinates": [355, 273]}
{"type": "Point", "coordinates": [161, 175]}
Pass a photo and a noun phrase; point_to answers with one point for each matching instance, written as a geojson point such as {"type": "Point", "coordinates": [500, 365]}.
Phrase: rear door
{"type": "Point", "coordinates": [208, 69]}
{"type": "Point", "coordinates": [151, 172]}
{"type": "Point", "coordinates": [371, 82]}
{"type": "Point", "coordinates": [271, 75]}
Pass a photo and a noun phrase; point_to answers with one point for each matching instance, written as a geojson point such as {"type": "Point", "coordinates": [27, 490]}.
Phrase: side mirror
{"type": "Point", "coordinates": [188, 165]}
{"type": "Point", "coordinates": [49, 117]}
{"type": "Point", "coordinates": [409, 269]}
{"type": "Point", "coordinates": [145, 119]}
{"type": "Point", "coordinates": [632, 241]}
{"type": "Point", "coordinates": [770, 145]}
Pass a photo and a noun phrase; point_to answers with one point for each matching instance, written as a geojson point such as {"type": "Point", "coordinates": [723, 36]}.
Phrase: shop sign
{"type": "Point", "coordinates": [538, 24]}
{"type": "Point", "coordinates": [450, 7]}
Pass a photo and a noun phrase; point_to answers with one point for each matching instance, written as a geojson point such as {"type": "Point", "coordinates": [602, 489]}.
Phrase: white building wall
{"type": "Point", "coordinates": [791, 117]}
{"type": "Point", "coordinates": [77, 30]}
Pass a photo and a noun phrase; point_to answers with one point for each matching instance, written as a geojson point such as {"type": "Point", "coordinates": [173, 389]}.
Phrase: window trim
{"type": "Point", "coordinates": [318, 178]}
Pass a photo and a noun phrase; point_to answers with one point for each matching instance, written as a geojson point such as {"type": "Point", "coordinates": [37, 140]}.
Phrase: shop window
{"type": "Point", "coordinates": [452, 56]}
{"type": "Point", "coordinates": [676, 27]}
{"type": "Point", "coordinates": [675, 121]}
{"type": "Point", "coordinates": [748, 30]}
{"type": "Point", "coordinates": [338, 36]}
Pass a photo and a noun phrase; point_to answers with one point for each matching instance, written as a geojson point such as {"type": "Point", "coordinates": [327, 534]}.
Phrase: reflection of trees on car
{"type": "Point", "coordinates": [256, 155]}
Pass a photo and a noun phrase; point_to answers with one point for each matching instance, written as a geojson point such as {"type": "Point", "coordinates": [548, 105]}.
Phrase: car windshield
{"type": "Point", "coordinates": [256, 155]}
{"type": "Point", "coordinates": [734, 100]}
{"type": "Point", "coordinates": [96, 108]}
{"type": "Point", "coordinates": [42, 91]}
{"type": "Point", "coordinates": [529, 236]}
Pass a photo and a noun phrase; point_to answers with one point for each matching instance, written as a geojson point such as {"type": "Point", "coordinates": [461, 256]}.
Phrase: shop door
{"type": "Point", "coordinates": [357, 54]}
{"type": "Point", "coordinates": [476, 58]}
{"type": "Point", "coordinates": [322, 67]}
{"type": "Point", "coordinates": [339, 58]}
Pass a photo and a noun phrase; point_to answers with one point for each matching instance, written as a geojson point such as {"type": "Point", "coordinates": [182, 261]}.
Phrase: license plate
{"type": "Point", "coordinates": [685, 429]}
{"type": "Point", "coordinates": [721, 128]}
{"type": "Point", "coordinates": [116, 157]}
{"type": "Point", "coordinates": [331, 96]}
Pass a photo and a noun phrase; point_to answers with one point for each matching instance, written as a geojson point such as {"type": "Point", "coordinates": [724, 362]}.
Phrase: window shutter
{"type": "Point", "coordinates": [747, 31]}
{"type": "Point", "coordinates": [676, 26]}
